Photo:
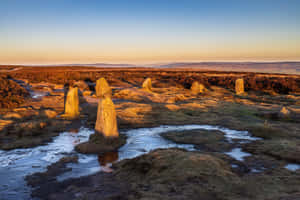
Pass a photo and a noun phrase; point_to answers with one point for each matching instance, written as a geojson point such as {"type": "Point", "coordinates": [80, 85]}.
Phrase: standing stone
{"type": "Point", "coordinates": [239, 86]}
{"type": "Point", "coordinates": [197, 88]}
{"type": "Point", "coordinates": [72, 103]}
{"type": "Point", "coordinates": [102, 88]}
{"type": "Point", "coordinates": [147, 85]}
{"type": "Point", "coordinates": [106, 123]}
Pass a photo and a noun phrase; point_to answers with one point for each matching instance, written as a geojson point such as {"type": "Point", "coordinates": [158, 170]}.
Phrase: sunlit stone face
{"type": "Point", "coordinates": [106, 123]}
{"type": "Point", "coordinates": [197, 88]}
{"type": "Point", "coordinates": [72, 103]}
{"type": "Point", "coordinates": [102, 88]}
{"type": "Point", "coordinates": [147, 85]}
{"type": "Point", "coordinates": [239, 86]}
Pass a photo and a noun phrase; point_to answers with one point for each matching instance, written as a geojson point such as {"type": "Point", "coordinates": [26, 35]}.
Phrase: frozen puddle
{"type": "Point", "coordinates": [143, 140]}
{"type": "Point", "coordinates": [292, 167]}
{"type": "Point", "coordinates": [16, 164]}
{"type": "Point", "coordinates": [38, 94]}
{"type": "Point", "coordinates": [238, 154]}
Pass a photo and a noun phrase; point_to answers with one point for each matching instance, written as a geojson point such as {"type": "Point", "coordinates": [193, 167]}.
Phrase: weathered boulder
{"type": "Point", "coordinates": [106, 123]}
{"type": "Point", "coordinates": [197, 88]}
{"type": "Point", "coordinates": [72, 103]}
{"type": "Point", "coordinates": [147, 85]}
{"type": "Point", "coordinates": [102, 88]}
{"type": "Point", "coordinates": [239, 86]}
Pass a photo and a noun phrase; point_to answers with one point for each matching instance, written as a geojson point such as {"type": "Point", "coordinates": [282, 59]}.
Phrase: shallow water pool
{"type": "Point", "coordinates": [16, 164]}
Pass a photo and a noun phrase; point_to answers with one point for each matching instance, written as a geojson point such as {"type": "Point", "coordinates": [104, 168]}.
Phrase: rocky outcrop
{"type": "Point", "coordinates": [72, 103]}
{"type": "Point", "coordinates": [106, 123]}
{"type": "Point", "coordinates": [239, 86]}
{"type": "Point", "coordinates": [147, 85]}
{"type": "Point", "coordinates": [102, 88]}
{"type": "Point", "coordinates": [197, 88]}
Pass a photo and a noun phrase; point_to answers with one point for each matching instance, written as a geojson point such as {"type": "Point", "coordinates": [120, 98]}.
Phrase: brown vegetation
{"type": "Point", "coordinates": [282, 84]}
{"type": "Point", "coordinates": [172, 173]}
{"type": "Point", "coordinates": [11, 93]}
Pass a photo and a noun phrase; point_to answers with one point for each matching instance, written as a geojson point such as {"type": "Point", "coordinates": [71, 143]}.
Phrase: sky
{"type": "Point", "coordinates": [148, 31]}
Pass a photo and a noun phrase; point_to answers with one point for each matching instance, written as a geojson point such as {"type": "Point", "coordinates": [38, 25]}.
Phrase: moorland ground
{"type": "Point", "coordinates": [269, 109]}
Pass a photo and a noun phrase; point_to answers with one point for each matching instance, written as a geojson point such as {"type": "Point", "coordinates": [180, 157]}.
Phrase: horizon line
{"type": "Point", "coordinates": [155, 63]}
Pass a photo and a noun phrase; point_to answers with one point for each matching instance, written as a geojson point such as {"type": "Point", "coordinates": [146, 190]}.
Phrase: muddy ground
{"type": "Point", "coordinates": [173, 173]}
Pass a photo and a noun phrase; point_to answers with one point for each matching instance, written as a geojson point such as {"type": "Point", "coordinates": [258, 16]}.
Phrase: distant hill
{"type": "Point", "coordinates": [263, 67]}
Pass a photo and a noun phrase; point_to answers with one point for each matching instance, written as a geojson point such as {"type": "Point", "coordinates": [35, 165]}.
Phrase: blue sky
{"type": "Point", "coordinates": [78, 31]}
